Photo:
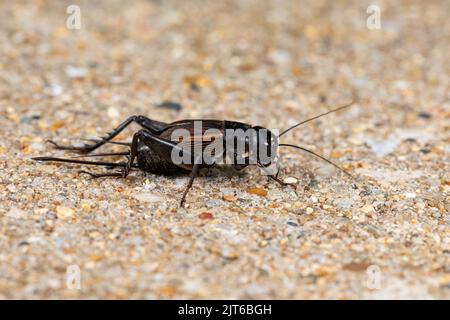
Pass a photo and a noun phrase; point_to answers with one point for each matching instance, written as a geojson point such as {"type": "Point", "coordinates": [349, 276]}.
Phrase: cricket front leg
{"type": "Point", "coordinates": [193, 175]}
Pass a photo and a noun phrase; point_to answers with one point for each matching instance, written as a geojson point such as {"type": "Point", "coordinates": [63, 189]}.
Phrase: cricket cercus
{"type": "Point", "coordinates": [188, 146]}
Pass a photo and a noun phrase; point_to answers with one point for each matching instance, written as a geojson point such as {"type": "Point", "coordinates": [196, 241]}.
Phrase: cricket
{"type": "Point", "coordinates": [158, 147]}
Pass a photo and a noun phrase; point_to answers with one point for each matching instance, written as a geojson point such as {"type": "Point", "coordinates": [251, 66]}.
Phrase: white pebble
{"type": "Point", "coordinates": [74, 72]}
{"type": "Point", "coordinates": [64, 212]}
{"type": "Point", "coordinates": [410, 195]}
{"type": "Point", "coordinates": [16, 213]}
{"type": "Point", "coordinates": [290, 180]}
{"type": "Point", "coordinates": [55, 90]}
{"type": "Point", "coordinates": [147, 197]}
{"type": "Point", "coordinates": [113, 112]}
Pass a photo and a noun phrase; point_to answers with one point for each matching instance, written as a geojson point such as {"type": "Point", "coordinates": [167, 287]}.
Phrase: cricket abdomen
{"type": "Point", "coordinates": [149, 161]}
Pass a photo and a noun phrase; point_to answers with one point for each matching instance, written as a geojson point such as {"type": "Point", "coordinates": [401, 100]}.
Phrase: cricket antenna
{"type": "Point", "coordinates": [317, 155]}
{"type": "Point", "coordinates": [316, 117]}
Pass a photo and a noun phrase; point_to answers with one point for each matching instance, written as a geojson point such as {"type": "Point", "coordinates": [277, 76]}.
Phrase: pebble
{"type": "Point", "coordinates": [211, 203]}
{"type": "Point", "coordinates": [436, 214]}
{"type": "Point", "coordinates": [280, 57]}
{"type": "Point", "coordinates": [368, 208]}
{"type": "Point", "coordinates": [113, 113]}
{"type": "Point", "coordinates": [228, 191]}
{"type": "Point", "coordinates": [229, 254]}
{"type": "Point", "coordinates": [409, 195]}
{"type": "Point", "coordinates": [229, 198]}
{"type": "Point", "coordinates": [170, 105]}
{"type": "Point", "coordinates": [64, 212]}
{"type": "Point", "coordinates": [206, 216]}
{"type": "Point", "coordinates": [275, 194]}
{"type": "Point", "coordinates": [290, 180]}
{"type": "Point", "coordinates": [16, 213]}
{"type": "Point", "coordinates": [257, 191]}
{"type": "Point", "coordinates": [383, 147]}
{"type": "Point", "coordinates": [74, 72]}
{"type": "Point", "coordinates": [55, 90]}
{"type": "Point", "coordinates": [147, 197]}
{"type": "Point", "coordinates": [344, 203]}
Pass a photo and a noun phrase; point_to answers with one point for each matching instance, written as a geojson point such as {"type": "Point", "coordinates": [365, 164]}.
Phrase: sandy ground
{"type": "Point", "coordinates": [242, 236]}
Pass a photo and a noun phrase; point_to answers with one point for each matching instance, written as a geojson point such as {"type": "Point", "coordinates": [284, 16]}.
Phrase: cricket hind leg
{"type": "Point", "coordinates": [158, 157]}
{"type": "Point", "coordinates": [149, 124]}
{"type": "Point", "coordinates": [108, 165]}
{"type": "Point", "coordinates": [107, 154]}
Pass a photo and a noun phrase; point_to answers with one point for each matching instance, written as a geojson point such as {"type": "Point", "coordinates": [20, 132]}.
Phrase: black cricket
{"type": "Point", "coordinates": [151, 148]}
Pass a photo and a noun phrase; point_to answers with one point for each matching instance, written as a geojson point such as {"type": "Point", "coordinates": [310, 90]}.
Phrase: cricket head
{"type": "Point", "coordinates": [266, 145]}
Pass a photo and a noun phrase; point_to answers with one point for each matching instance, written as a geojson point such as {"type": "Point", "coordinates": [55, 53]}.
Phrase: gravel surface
{"type": "Point", "coordinates": [271, 63]}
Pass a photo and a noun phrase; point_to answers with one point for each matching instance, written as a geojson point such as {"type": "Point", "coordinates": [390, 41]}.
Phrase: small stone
{"type": "Point", "coordinates": [167, 291]}
{"type": "Point", "coordinates": [206, 216]}
{"type": "Point", "coordinates": [309, 210]}
{"type": "Point", "coordinates": [113, 112]}
{"type": "Point", "coordinates": [368, 208]}
{"type": "Point", "coordinates": [344, 203]}
{"type": "Point", "coordinates": [74, 72]}
{"type": "Point", "coordinates": [274, 194]}
{"type": "Point", "coordinates": [337, 154]}
{"type": "Point", "coordinates": [64, 212]}
{"type": "Point", "coordinates": [229, 254]}
{"type": "Point", "coordinates": [34, 239]}
{"type": "Point", "coordinates": [23, 243]}
{"type": "Point", "coordinates": [304, 219]}
{"type": "Point", "coordinates": [290, 180]}
{"type": "Point", "coordinates": [229, 198]}
{"type": "Point", "coordinates": [324, 271]}
{"type": "Point", "coordinates": [11, 188]}
{"type": "Point", "coordinates": [291, 223]}
{"type": "Point", "coordinates": [409, 195]}
{"type": "Point", "coordinates": [95, 257]}
{"type": "Point", "coordinates": [213, 203]}
{"type": "Point", "coordinates": [147, 197]}
{"type": "Point", "coordinates": [280, 57]}
{"type": "Point", "coordinates": [436, 214]}
{"type": "Point", "coordinates": [263, 243]}
{"type": "Point", "coordinates": [86, 207]}
{"type": "Point", "coordinates": [55, 90]}
{"type": "Point", "coordinates": [16, 213]}
{"type": "Point", "coordinates": [356, 266]}
{"type": "Point", "coordinates": [228, 191]}
{"type": "Point", "coordinates": [424, 115]}
{"type": "Point", "coordinates": [445, 280]}
{"type": "Point", "coordinates": [258, 191]}
{"type": "Point", "coordinates": [170, 105]}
